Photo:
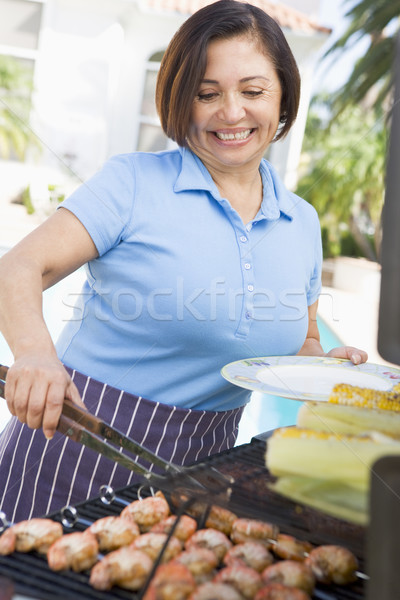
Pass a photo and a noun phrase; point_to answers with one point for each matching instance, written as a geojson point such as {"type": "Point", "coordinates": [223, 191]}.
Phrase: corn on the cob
{"type": "Point", "coordinates": [338, 418]}
{"type": "Point", "coordinates": [346, 459]}
{"type": "Point", "coordinates": [344, 393]}
{"type": "Point", "coordinates": [325, 461]}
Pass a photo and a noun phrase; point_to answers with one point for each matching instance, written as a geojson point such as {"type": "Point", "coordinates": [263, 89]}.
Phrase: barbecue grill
{"type": "Point", "coordinates": [250, 497]}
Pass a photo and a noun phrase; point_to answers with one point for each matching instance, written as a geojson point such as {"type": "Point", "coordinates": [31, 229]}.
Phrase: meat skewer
{"type": "Point", "coordinates": [111, 532]}
{"type": "Point", "coordinates": [268, 534]}
{"type": "Point", "coordinates": [78, 551]}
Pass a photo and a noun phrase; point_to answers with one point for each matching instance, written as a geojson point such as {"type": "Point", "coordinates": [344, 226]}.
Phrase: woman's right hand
{"type": "Point", "coordinates": [37, 383]}
{"type": "Point", "coordinates": [35, 390]}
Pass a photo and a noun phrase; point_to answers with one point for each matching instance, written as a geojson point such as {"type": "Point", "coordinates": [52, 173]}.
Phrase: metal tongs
{"type": "Point", "coordinates": [82, 427]}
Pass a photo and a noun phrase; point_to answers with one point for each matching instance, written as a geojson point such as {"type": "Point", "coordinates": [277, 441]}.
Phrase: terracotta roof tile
{"type": "Point", "coordinates": [286, 16]}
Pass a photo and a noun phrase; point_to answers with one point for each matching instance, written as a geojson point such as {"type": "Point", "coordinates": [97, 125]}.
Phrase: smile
{"type": "Point", "coordinates": [241, 135]}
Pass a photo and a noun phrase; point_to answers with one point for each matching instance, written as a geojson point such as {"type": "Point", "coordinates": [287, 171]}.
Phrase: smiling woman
{"type": "Point", "coordinates": [194, 258]}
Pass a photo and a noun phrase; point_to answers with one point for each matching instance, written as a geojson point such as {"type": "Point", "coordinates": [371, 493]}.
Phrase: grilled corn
{"type": "Point", "coordinates": [354, 410]}
{"type": "Point", "coordinates": [325, 461]}
{"type": "Point", "coordinates": [344, 393]}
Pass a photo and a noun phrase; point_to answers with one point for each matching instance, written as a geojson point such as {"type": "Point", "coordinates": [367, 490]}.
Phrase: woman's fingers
{"type": "Point", "coordinates": [356, 355]}
{"type": "Point", "coordinates": [73, 394]}
{"type": "Point", "coordinates": [34, 407]}
{"type": "Point", "coordinates": [17, 391]}
{"type": "Point", "coordinates": [35, 391]}
{"type": "Point", "coordinates": [52, 409]}
{"type": "Point", "coordinates": [54, 403]}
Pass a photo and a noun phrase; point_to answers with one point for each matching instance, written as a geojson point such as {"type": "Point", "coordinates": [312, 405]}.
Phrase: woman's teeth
{"type": "Point", "coordinates": [242, 135]}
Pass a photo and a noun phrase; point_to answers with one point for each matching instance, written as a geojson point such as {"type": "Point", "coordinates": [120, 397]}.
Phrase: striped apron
{"type": "Point", "coordinates": [39, 476]}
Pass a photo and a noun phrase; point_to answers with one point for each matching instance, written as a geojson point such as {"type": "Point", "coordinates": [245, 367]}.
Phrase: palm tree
{"type": "Point", "coordinates": [15, 104]}
{"type": "Point", "coordinates": [371, 79]}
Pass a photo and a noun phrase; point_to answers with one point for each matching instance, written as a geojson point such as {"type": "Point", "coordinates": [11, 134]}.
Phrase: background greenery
{"type": "Point", "coordinates": [343, 164]}
{"type": "Point", "coordinates": [344, 151]}
{"type": "Point", "coordinates": [16, 135]}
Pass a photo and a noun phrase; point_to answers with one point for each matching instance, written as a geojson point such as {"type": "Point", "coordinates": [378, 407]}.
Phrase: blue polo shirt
{"type": "Point", "coordinates": [182, 286]}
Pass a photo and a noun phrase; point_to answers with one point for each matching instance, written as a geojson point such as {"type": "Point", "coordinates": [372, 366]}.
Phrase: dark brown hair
{"type": "Point", "coordinates": [185, 60]}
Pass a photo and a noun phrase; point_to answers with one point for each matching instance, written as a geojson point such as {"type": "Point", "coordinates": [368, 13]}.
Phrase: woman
{"type": "Point", "coordinates": [194, 257]}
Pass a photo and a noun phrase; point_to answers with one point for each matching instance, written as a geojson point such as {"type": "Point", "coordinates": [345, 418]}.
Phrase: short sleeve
{"type": "Point", "coordinates": [104, 202]}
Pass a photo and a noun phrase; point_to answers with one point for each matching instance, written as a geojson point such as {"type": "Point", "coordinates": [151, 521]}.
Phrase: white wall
{"type": "Point", "coordinates": [76, 78]}
{"type": "Point", "coordinates": [145, 34]}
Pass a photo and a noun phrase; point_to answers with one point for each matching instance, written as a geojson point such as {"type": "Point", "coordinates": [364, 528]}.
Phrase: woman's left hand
{"type": "Point", "coordinates": [312, 345]}
{"type": "Point", "coordinates": [356, 355]}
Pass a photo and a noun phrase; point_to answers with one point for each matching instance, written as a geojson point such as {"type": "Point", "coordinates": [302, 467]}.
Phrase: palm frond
{"type": "Point", "coordinates": [373, 70]}
{"type": "Point", "coordinates": [376, 20]}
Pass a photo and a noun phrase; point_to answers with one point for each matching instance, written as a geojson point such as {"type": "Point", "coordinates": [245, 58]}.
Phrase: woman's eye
{"type": "Point", "coordinates": [207, 97]}
{"type": "Point", "coordinates": [253, 93]}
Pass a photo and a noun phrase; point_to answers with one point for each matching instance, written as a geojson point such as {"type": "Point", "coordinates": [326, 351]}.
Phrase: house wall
{"type": "Point", "coordinates": [90, 76]}
{"type": "Point", "coordinates": [77, 73]}
{"type": "Point", "coordinates": [145, 34]}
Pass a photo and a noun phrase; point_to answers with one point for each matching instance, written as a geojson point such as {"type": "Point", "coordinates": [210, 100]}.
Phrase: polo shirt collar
{"type": "Point", "coordinates": [194, 175]}
{"type": "Point", "coordinates": [277, 199]}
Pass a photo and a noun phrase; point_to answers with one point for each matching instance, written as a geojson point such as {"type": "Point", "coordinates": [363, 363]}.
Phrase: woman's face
{"type": "Point", "coordinates": [236, 112]}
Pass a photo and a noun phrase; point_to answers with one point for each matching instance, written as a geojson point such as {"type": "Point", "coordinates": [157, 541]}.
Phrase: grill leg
{"type": "Point", "coordinates": [383, 546]}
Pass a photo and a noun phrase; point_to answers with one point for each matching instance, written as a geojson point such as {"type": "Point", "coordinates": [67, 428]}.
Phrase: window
{"type": "Point", "coordinates": [151, 137]}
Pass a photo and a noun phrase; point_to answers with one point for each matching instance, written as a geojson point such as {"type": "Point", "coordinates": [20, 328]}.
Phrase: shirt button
{"type": "Point", "coordinates": [247, 266]}
{"type": "Point", "coordinates": [250, 287]}
{"type": "Point", "coordinates": [248, 315]}
{"type": "Point", "coordinates": [243, 238]}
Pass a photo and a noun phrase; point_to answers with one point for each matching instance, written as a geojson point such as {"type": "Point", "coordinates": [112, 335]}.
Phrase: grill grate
{"type": "Point", "coordinates": [250, 497]}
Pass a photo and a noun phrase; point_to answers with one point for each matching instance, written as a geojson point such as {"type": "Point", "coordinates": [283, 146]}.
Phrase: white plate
{"type": "Point", "coordinates": [307, 377]}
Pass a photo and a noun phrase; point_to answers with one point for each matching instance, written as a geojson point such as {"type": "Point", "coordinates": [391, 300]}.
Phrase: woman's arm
{"type": "Point", "coordinates": [37, 381]}
{"type": "Point", "coordinates": [312, 345]}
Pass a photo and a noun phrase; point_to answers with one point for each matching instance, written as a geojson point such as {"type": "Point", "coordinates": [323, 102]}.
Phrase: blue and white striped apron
{"type": "Point", "coordinates": [38, 476]}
